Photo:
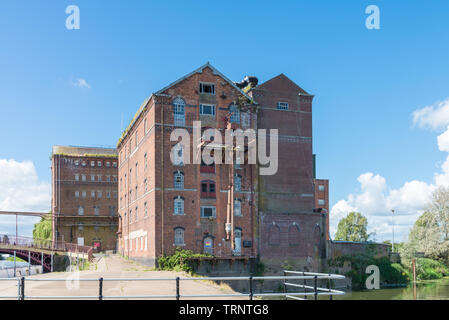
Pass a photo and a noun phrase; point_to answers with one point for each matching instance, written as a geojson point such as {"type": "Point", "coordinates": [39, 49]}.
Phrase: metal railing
{"type": "Point", "coordinates": [315, 290]}
{"type": "Point", "coordinates": [39, 244]}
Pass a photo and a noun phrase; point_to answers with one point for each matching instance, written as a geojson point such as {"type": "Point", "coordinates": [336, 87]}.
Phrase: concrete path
{"type": "Point", "coordinates": [114, 266]}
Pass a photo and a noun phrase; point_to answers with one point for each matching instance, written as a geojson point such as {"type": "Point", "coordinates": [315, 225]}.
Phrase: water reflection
{"type": "Point", "coordinates": [433, 290]}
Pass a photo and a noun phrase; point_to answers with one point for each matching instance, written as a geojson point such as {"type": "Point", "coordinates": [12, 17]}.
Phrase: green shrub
{"type": "Point", "coordinates": [428, 269]}
{"type": "Point", "coordinates": [181, 260]}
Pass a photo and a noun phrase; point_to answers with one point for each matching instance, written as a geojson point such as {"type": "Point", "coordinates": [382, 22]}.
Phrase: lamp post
{"type": "Point", "coordinates": [392, 220]}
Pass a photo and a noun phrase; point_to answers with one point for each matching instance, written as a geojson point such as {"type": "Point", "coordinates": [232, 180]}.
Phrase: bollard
{"type": "Point", "coordinates": [100, 289]}
{"type": "Point", "coordinates": [251, 288]}
{"type": "Point", "coordinates": [177, 289]}
{"type": "Point", "coordinates": [22, 288]}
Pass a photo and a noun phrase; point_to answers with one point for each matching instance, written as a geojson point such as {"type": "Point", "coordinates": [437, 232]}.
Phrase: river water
{"type": "Point", "coordinates": [428, 290]}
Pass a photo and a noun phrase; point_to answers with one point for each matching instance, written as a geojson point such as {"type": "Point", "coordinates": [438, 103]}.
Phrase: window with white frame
{"type": "Point", "coordinates": [100, 194]}
{"type": "Point", "coordinates": [99, 163]}
{"type": "Point", "coordinates": [77, 177]}
{"type": "Point", "coordinates": [208, 88]}
{"type": "Point", "coordinates": [208, 212]}
{"type": "Point", "coordinates": [77, 162]}
{"type": "Point", "coordinates": [321, 188]}
{"type": "Point", "coordinates": [92, 194]}
{"type": "Point", "coordinates": [237, 207]}
{"type": "Point", "coordinates": [80, 211]}
{"type": "Point", "coordinates": [108, 164]}
{"type": "Point", "coordinates": [80, 226]}
{"type": "Point", "coordinates": [83, 194]}
{"type": "Point", "coordinates": [178, 205]}
{"type": "Point", "coordinates": [207, 109]}
{"type": "Point", "coordinates": [114, 164]}
{"type": "Point", "coordinates": [96, 210]}
{"type": "Point", "coordinates": [179, 180]}
{"type": "Point", "coordinates": [282, 105]}
{"type": "Point", "coordinates": [179, 114]}
{"type": "Point", "coordinates": [321, 202]}
{"type": "Point", "coordinates": [92, 177]}
{"type": "Point", "coordinates": [83, 177]}
{"type": "Point", "coordinates": [179, 236]}
{"type": "Point", "coordinates": [177, 155]}
{"type": "Point", "coordinates": [92, 163]}
{"type": "Point", "coordinates": [83, 163]}
{"type": "Point", "coordinates": [235, 114]}
{"type": "Point", "coordinates": [77, 194]}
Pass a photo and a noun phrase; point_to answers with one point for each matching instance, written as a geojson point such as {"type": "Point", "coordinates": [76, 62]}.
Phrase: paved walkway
{"type": "Point", "coordinates": [114, 266]}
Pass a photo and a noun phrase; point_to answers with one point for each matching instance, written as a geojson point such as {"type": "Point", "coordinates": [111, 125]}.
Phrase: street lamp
{"type": "Point", "coordinates": [392, 220]}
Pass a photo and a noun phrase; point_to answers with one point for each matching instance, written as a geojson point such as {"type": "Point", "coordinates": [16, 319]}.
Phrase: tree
{"type": "Point", "coordinates": [352, 228]}
{"type": "Point", "coordinates": [43, 229]}
{"type": "Point", "coordinates": [430, 233]}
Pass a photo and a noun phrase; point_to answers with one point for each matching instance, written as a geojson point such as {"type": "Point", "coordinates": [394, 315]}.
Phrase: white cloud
{"type": "Point", "coordinates": [81, 83]}
{"type": "Point", "coordinates": [375, 200]}
{"type": "Point", "coordinates": [21, 190]}
{"type": "Point", "coordinates": [434, 116]}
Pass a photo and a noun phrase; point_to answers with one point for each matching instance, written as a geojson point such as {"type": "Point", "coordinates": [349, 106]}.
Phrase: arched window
{"type": "Point", "coordinates": [179, 112]}
{"type": "Point", "coordinates": [293, 234]}
{"type": "Point", "coordinates": [80, 211]}
{"type": "Point", "coordinates": [274, 235]}
{"type": "Point", "coordinates": [235, 114]}
{"type": "Point", "coordinates": [237, 183]}
{"type": "Point", "coordinates": [237, 207]}
{"type": "Point", "coordinates": [178, 205]}
{"type": "Point", "coordinates": [177, 155]}
{"type": "Point", "coordinates": [179, 236]}
{"type": "Point", "coordinates": [179, 180]}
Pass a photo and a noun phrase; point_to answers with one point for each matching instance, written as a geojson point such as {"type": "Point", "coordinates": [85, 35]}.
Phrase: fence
{"type": "Point", "coordinates": [38, 244]}
{"type": "Point", "coordinates": [314, 291]}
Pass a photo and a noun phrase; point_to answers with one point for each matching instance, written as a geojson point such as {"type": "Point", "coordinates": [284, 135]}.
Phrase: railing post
{"type": "Point", "coordinates": [285, 287]}
{"type": "Point", "coordinates": [177, 289]}
{"type": "Point", "coordinates": [304, 282]}
{"type": "Point", "coordinates": [315, 287]}
{"type": "Point", "coordinates": [100, 289]}
{"type": "Point", "coordinates": [22, 288]}
{"type": "Point", "coordinates": [329, 286]}
{"type": "Point", "coordinates": [251, 290]}
{"type": "Point", "coordinates": [15, 272]}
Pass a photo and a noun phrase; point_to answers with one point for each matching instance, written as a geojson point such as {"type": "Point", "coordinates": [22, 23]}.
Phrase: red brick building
{"type": "Point", "coordinates": [322, 200]}
{"type": "Point", "coordinates": [84, 196]}
{"type": "Point", "coordinates": [290, 228]}
{"type": "Point", "coordinates": [165, 204]}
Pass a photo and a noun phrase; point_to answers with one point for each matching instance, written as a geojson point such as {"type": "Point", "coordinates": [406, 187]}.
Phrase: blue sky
{"type": "Point", "coordinates": [367, 83]}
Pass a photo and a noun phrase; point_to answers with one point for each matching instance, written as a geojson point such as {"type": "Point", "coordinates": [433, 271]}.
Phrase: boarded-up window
{"type": "Point", "coordinates": [293, 235]}
{"type": "Point", "coordinates": [274, 235]}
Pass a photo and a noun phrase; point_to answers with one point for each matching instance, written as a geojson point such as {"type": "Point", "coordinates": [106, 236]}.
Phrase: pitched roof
{"type": "Point", "coordinates": [200, 70]}
{"type": "Point", "coordinates": [286, 81]}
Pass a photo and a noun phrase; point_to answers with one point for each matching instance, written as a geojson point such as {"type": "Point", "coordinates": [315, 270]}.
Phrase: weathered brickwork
{"type": "Point", "coordinates": [84, 196]}
{"type": "Point", "coordinates": [154, 234]}
{"type": "Point", "coordinates": [322, 200]}
{"type": "Point", "coordinates": [277, 220]}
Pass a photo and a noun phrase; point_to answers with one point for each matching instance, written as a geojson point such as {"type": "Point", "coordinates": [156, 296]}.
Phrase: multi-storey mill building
{"type": "Point", "coordinates": [85, 196]}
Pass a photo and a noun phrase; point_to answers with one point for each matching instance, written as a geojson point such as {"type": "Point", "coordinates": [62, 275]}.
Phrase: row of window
{"type": "Point", "coordinates": [97, 177]}
{"type": "Point", "coordinates": [94, 163]}
{"type": "Point", "coordinates": [97, 226]}
{"type": "Point", "coordinates": [206, 211]}
{"type": "Point", "coordinates": [208, 241]}
{"type": "Point", "coordinates": [96, 194]}
{"type": "Point", "coordinates": [96, 210]}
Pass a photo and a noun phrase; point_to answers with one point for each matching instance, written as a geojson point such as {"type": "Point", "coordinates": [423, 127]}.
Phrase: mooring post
{"type": "Point", "coordinates": [177, 289]}
{"type": "Point", "coordinates": [100, 289]}
{"type": "Point", "coordinates": [22, 288]}
{"type": "Point", "coordinates": [51, 263]}
{"type": "Point", "coordinates": [42, 261]}
{"type": "Point", "coordinates": [315, 287]}
{"type": "Point", "coordinates": [251, 294]}
{"type": "Point", "coordinates": [29, 263]}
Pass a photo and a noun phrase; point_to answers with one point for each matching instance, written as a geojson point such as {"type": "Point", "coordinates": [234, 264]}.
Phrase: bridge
{"type": "Point", "coordinates": [41, 252]}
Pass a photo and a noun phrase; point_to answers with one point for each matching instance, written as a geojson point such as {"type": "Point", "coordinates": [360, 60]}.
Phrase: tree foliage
{"type": "Point", "coordinates": [43, 229]}
{"type": "Point", "coordinates": [352, 228]}
{"type": "Point", "coordinates": [430, 233]}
